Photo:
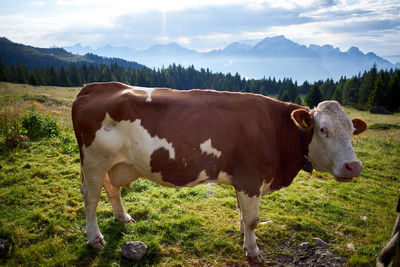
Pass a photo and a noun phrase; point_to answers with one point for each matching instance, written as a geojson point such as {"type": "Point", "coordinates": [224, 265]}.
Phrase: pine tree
{"type": "Point", "coordinates": [291, 91]}
{"type": "Point", "coordinates": [367, 85]}
{"type": "Point", "coordinates": [4, 72]}
{"type": "Point", "coordinates": [63, 78]}
{"type": "Point", "coordinates": [285, 97]}
{"type": "Point", "coordinates": [32, 80]}
{"type": "Point", "coordinates": [392, 98]}
{"type": "Point", "coordinates": [22, 73]}
{"type": "Point", "coordinates": [314, 96]}
{"type": "Point", "coordinates": [298, 100]}
{"type": "Point", "coordinates": [337, 94]}
{"type": "Point", "coordinates": [52, 77]}
{"type": "Point", "coordinates": [377, 95]}
{"type": "Point", "coordinates": [75, 75]}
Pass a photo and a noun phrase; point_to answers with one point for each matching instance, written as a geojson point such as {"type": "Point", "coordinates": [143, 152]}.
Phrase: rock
{"type": "Point", "coordinates": [133, 250]}
{"type": "Point", "coordinates": [322, 253]}
{"type": "Point", "coordinates": [363, 218]}
{"type": "Point", "coordinates": [267, 222]}
{"type": "Point", "coordinates": [305, 245]}
{"type": "Point", "coordinates": [350, 246]}
{"type": "Point", "coordinates": [319, 241]}
{"type": "Point", "coordinates": [4, 248]}
{"type": "Point", "coordinates": [380, 110]}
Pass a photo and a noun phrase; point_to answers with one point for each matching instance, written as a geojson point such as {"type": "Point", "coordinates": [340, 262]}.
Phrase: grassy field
{"type": "Point", "coordinates": [42, 212]}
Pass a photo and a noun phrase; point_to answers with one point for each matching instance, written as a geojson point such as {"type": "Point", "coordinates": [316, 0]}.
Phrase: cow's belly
{"type": "Point", "coordinates": [126, 148]}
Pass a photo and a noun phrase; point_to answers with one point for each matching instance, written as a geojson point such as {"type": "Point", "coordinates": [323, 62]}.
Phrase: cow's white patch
{"type": "Point", "coordinates": [207, 148]}
{"type": "Point", "coordinates": [265, 187]}
{"type": "Point", "coordinates": [248, 220]}
{"type": "Point", "coordinates": [126, 142]}
{"type": "Point", "coordinates": [148, 91]}
{"type": "Point", "coordinates": [224, 178]}
{"type": "Point", "coordinates": [200, 178]}
{"type": "Point", "coordinates": [203, 178]}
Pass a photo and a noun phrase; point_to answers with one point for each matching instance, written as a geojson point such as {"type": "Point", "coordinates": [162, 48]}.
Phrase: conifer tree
{"type": "Point", "coordinates": [392, 98]}
{"type": "Point", "coordinates": [32, 80]}
{"type": "Point", "coordinates": [314, 96]}
{"type": "Point", "coordinates": [367, 85]}
{"type": "Point", "coordinates": [377, 95]}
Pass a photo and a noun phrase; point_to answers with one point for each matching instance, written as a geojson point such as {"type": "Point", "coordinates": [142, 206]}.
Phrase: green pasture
{"type": "Point", "coordinates": [42, 213]}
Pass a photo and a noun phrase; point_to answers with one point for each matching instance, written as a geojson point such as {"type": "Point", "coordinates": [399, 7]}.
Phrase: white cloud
{"type": "Point", "coordinates": [36, 4]}
{"type": "Point", "coordinates": [204, 25]}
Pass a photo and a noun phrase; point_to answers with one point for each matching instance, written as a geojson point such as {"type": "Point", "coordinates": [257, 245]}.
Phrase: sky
{"type": "Point", "coordinates": [203, 25]}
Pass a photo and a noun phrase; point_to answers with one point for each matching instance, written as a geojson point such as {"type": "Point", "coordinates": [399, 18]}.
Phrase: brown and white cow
{"type": "Point", "coordinates": [184, 138]}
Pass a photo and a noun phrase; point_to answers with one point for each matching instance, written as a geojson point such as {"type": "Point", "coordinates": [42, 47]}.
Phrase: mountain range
{"type": "Point", "coordinates": [276, 57]}
{"type": "Point", "coordinates": [32, 57]}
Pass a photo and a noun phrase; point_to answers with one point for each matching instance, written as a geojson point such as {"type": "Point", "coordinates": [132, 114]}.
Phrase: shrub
{"type": "Point", "coordinates": [10, 127]}
{"type": "Point", "coordinates": [39, 125]}
{"type": "Point", "coordinates": [68, 144]}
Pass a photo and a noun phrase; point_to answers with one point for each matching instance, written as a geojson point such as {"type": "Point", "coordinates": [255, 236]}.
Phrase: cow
{"type": "Point", "coordinates": [182, 138]}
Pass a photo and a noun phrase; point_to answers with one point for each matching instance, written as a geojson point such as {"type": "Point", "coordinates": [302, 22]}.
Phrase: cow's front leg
{"type": "Point", "coordinates": [91, 189]}
{"type": "Point", "coordinates": [249, 219]}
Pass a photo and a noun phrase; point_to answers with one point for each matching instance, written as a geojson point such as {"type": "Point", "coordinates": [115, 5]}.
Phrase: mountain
{"type": "Point", "coordinates": [32, 57]}
{"type": "Point", "coordinates": [273, 56]}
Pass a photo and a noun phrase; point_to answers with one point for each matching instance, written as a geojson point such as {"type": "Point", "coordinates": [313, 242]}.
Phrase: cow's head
{"type": "Point", "coordinates": [330, 149]}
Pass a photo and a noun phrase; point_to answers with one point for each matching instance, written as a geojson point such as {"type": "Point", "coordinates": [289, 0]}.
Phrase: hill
{"type": "Point", "coordinates": [32, 57]}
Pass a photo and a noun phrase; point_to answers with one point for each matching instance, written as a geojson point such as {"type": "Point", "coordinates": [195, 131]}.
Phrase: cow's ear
{"type": "Point", "coordinates": [359, 125]}
{"type": "Point", "coordinates": [302, 119]}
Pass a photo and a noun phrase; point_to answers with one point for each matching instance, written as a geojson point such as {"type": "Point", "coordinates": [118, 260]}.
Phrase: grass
{"type": "Point", "coordinates": [42, 212]}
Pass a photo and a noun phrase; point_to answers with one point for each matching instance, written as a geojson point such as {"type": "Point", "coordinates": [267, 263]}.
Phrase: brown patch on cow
{"type": "Point", "coordinates": [253, 224]}
{"type": "Point", "coordinates": [256, 136]}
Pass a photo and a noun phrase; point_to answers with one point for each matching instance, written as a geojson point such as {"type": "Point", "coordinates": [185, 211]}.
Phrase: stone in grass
{"type": "Point", "coordinates": [4, 248]}
{"type": "Point", "coordinates": [133, 250]}
{"type": "Point", "coordinates": [319, 241]}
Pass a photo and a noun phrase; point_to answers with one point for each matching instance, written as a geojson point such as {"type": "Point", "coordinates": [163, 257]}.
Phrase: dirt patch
{"type": "Point", "coordinates": [48, 100]}
{"type": "Point", "coordinates": [317, 253]}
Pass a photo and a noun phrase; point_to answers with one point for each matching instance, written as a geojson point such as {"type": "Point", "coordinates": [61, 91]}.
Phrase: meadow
{"type": "Point", "coordinates": [42, 213]}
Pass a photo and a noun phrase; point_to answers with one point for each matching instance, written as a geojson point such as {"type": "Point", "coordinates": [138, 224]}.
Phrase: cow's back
{"type": "Point", "coordinates": [186, 136]}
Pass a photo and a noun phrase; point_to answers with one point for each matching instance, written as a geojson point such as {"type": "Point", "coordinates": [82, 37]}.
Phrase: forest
{"type": "Point", "coordinates": [369, 89]}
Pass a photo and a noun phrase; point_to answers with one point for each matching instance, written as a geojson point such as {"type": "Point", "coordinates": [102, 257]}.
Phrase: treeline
{"type": "Point", "coordinates": [174, 76]}
{"type": "Point", "coordinates": [372, 88]}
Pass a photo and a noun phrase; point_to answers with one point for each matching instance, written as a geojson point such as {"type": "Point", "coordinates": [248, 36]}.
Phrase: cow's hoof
{"type": "Point", "coordinates": [255, 260]}
{"type": "Point", "coordinates": [126, 219]}
{"type": "Point", "coordinates": [97, 243]}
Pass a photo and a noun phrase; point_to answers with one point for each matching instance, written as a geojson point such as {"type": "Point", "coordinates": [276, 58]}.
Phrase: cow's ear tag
{"type": "Point", "coordinates": [305, 123]}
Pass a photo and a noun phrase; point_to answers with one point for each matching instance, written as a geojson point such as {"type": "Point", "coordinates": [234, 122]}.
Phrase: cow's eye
{"type": "Point", "coordinates": [324, 131]}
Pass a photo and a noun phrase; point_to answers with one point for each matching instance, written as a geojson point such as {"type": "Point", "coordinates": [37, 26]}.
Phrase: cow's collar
{"type": "Point", "coordinates": [307, 165]}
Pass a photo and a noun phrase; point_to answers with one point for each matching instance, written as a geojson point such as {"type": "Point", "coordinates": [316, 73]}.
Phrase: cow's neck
{"type": "Point", "coordinates": [291, 158]}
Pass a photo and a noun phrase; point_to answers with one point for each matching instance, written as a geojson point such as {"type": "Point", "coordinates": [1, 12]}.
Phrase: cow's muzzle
{"type": "Point", "coordinates": [349, 170]}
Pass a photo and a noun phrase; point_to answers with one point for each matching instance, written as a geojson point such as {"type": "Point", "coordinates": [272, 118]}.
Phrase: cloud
{"type": "Point", "coordinates": [36, 4]}
{"type": "Point", "coordinates": [204, 25]}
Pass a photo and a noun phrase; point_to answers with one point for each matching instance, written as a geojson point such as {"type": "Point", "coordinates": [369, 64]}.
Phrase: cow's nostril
{"type": "Point", "coordinates": [348, 167]}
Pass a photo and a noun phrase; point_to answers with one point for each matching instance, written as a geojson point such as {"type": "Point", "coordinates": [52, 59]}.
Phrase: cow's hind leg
{"type": "Point", "coordinates": [92, 185]}
{"type": "Point", "coordinates": [114, 194]}
{"type": "Point", "coordinates": [249, 220]}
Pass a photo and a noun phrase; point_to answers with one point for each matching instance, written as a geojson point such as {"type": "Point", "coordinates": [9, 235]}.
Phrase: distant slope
{"type": "Point", "coordinates": [32, 57]}
{"type": "Point", "coordinates": [273, 56]}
